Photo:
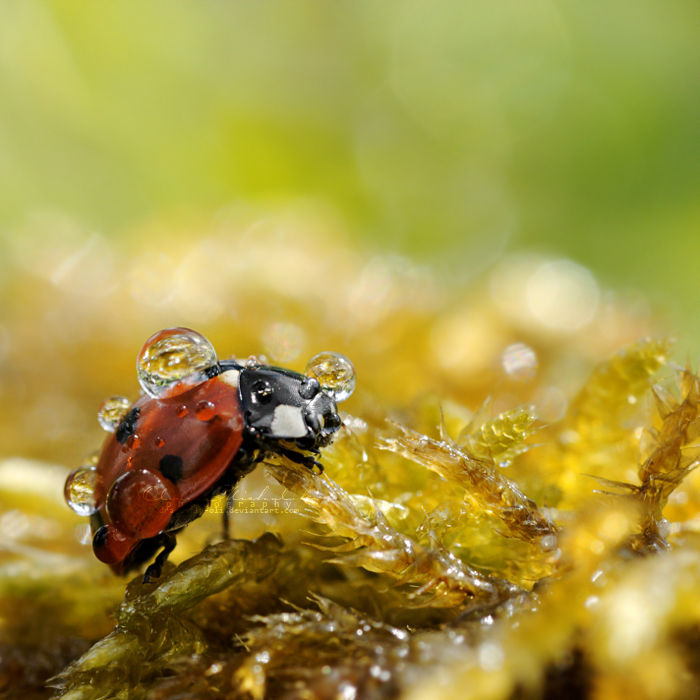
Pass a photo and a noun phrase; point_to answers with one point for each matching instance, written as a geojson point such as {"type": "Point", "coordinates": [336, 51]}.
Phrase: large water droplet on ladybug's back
{"type": "Point", "coordinates": [79, 490]}
{"type": "Point", "coordinates": [112, 411]}
{"type": "Point", "coordinates": [141, 502]}
{"type": "Point", "coordinates": [334, 373]}
{"type": "Point", "coordinates": [172, 356]}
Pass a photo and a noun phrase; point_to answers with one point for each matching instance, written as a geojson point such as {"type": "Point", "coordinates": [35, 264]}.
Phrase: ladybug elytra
{"type": "Point", "coordinates": [198, 428]}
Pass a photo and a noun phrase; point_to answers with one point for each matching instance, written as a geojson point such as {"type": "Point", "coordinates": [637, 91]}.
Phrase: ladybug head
{"type": "Point", "coordinates": [285, 405]}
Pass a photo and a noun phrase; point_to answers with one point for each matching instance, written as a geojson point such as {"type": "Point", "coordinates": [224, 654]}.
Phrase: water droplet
{"type": "Point", "coordinates": [79, 490]}
{"type": "Point", "coordinates": [181, 411]}
{"type": "Point", "coordinates": [171, 356]}
{"type": "Point", "coordinates": [519, 361]}
{"type": "Point", "coordinates": [112, 411]}
{"type": "Point", "coordinates": [133, 441]}
{"type": "Point", "coordinates": [159, 441]}
{"type": "Point", "coordinates": [334, 373]}
{"type": "Point", "coordinates": [254, 361]}
{"type": "Point", "coordinates": [205, 410]}
{"type": "Point", "coordinates": [139, 492]}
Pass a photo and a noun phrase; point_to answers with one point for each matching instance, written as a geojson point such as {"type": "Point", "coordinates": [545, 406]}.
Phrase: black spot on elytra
{"type": "Point", "coordinates": [128, 425]}
{"type": "Point", "coordinates": [171, 467]}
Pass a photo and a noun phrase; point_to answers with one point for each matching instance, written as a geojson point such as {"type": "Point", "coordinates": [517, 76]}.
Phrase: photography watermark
{"type": "Point", "coordinates": [275, 506]}
{"type": "Point", "coordinates": [263, 504]}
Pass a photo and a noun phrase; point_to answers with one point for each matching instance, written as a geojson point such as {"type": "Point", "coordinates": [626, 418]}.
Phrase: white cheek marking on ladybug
{"type": "Point", "coordinates": [287, 421]}
{"type": "Point", "coordinates": [230, 377]}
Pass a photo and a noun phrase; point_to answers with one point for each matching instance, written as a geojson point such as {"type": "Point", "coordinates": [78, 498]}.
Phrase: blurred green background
{"type": "Point", "coordinates": [449, 131]}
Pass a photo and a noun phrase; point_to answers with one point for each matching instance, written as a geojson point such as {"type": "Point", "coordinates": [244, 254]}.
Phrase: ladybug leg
{"type": "Point", "coordinates": [306, 460]}
{"type": "Point", "coordinates": [156, 568]}
{"type": "Point", "coordinates": [243, 463]}
{"type": "Point", "coordinates": [313, 463]}
{"type": "Point", "coordinates": [228, 509]}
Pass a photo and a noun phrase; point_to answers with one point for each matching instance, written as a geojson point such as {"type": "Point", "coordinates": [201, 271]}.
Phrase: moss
{"type": "Point", "coordinates": [477, 532]}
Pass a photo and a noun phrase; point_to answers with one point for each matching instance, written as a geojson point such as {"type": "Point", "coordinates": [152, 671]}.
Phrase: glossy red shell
{"type": "Point", "coordinates": [180, 446]}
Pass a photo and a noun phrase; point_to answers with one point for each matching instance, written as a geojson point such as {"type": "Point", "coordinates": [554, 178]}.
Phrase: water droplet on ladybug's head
{"type": "Point", "coordinates": [334, 373]}
{"type": "Point", "coordinates": [171, 356]}
{"type": "Point", "coordinates": [79, 490]}
{"type": "Point", "coordinates": [112, 411]}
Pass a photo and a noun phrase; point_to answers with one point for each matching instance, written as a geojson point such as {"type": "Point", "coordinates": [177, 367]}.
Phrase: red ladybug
{"type": "Point", "coordinates": [170, 454]}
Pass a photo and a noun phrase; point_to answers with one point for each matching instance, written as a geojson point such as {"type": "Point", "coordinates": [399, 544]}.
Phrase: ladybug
{"type": "Point", "coordinates": [193, 435]}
